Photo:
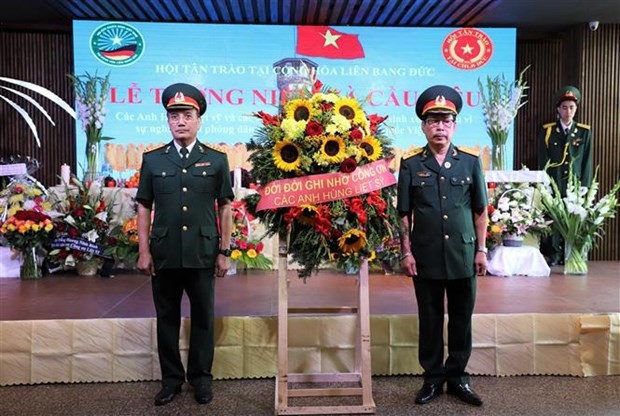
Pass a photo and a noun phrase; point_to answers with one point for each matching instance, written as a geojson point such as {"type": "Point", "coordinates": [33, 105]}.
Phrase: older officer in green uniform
{"type": "Point", "coordinates": [442, 203]}
{"type": "Point", "coordinates": [184, 250]}
{"type": "Point", "coordinates": [563, 144]}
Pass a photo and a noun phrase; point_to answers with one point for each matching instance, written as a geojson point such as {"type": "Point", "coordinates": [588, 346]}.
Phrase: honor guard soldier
{"type": "Point", "coordinates": [442, 203]}
{"type": "Point", "coordinates": [562, 145]}
{"type": "Point", "coordinates": [183, 249]}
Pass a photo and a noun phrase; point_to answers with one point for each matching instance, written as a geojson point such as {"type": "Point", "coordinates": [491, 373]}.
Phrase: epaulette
{"type": "Point", "coordinates": [155, 148]}
{"type": "Point", "coordinates": [469, 151]}
{"type": "Point", "coordinates": [215, 147]}
{"type": "Point", "coordinates": [584, 126]}
{"type": "Point", "coordinates": [546, 126]}
{"type": "Point", "coordinates": [412, 153]}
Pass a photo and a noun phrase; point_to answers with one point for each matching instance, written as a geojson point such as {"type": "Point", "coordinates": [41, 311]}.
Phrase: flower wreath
{"type": "Point", "coordinates": [325, 182]}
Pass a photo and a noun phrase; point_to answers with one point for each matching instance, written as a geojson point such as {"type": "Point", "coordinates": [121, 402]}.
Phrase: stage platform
{"type": "Point", "coordinates": [66, 328]}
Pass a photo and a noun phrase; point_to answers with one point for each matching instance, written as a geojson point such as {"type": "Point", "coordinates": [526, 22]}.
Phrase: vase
{"type": "Point", "coordinates": [92, 159]}
{"type": "Point", "coordinates": [512, 240]}
{"type": "Point", "coordinates": [498, 155]}
{"type": "Point", "coordinates": [232, 270]}
{"type": "Point", "coordinates": [575, 259]}
{"type": "Point", "coordinates": [88, 267]}
{"type": "Point", "coordinates": [30, 270]}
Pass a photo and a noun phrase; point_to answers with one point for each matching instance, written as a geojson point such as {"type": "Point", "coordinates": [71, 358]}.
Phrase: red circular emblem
{"type": "Point", "coordinates": [467, 48]}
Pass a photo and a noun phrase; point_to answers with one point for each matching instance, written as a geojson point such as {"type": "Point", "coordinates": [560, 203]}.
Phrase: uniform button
{"type": "Point", "coordinates": [184, 207]}
{"type": "Point", "coordinates": [184, 228]}
{"type": "Point", "coordinates": [204, 173]}
{"type": "Point", "coordinates": [444, 197]}
{"type": "Point", "coordinates": [445, 217]}
{"type": "Point", "coordinates": [184, 170]}
{"type": "Point", "coordinates": [184, 189]}
{"type": "Point", "coordinates": [443, 178]}
{"type": "Point", "coordinates": [422, 183]}
{"type": "Point", "coordinates": [565, 171]}
{"type": "Point", "coordinates": [555, 143]}
{"type": "Point", "coordinates": [163, 174]}
{"type": "Point", "coordinates": [446, 237]}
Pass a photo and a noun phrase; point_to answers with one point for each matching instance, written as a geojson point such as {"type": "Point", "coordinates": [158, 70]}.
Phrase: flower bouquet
{"type": "Point", "coordinates": [325, 182]}
{"type": "Point", "coordinates": [246, 249]}
{"type": "Point", "coordinates": [500, 105]}
{"type": "Point", "coordinates": [387, 254]}
{"type": "Point", "coordinates": [27, 231]}
{"type": "Point", "coordinates": [91, 94]}
{"type": "Point", "coordinates": [579, 218]}
{"type": "Point", "coordinates": [512, 215]}
{"type": "Point", "coordinates": [82, 228]}
{"type": "Point", "coordinates": [122, 243]}
{"type": "Point", "coordinates": [23, 194]}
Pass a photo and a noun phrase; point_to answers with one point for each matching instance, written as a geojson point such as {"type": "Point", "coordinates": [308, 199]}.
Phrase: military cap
{"type": "Point", "coordinates": [568, 93]}
{"type": "Point", "coordinates": [438, 99]}
{"type": "Point", "coordinates": [183, 96]}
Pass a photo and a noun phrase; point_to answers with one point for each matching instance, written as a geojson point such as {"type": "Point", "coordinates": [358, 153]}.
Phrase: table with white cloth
{"type": "Point", "coordinates": [511, 261]}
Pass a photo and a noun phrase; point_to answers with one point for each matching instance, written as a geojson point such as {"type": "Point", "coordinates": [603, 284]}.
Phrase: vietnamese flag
{"type": "Point", "coordinates": [326, 42]}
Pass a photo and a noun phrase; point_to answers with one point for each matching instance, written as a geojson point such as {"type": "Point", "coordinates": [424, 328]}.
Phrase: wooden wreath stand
{"type": "Point", "coordinates": [360, 377]}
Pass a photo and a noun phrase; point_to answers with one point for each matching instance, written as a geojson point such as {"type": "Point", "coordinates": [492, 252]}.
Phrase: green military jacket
{"type": "Point", "coordinates": [184, 232]}
{"type": "Point", "coordinates": [443, 200]}
{"type": "Point", "coordinates": [562, 149]}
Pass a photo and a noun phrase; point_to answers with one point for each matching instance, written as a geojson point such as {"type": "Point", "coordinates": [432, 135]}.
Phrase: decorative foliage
{"type": "Point", "coordinates": [91, 94]}
{"type": "Point", "coordinates": [246, 249]}
{"type": "Point", "coordinates": [26, 229]}
{"type": "Point", "coordinates": [579, 217]}
{"type": "Point", "coordinates": [511, 211]}
{"type": "Point", "coordinates": [30, 87]}
{"type": "Point", "coordinates": [322, 132]}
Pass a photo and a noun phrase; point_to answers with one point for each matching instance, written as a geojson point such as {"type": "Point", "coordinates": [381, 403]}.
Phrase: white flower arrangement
{"type": "Point", "coordinates": [579, 217]}
{"type": "Point", "coordinates": [501, 103]}
{"type": "Point", "coordinates": [91, 93]}
{"type": "Point", "coordinates": [512, 212]}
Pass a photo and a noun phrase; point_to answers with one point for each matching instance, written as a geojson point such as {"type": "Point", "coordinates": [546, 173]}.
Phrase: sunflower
{"type": "Point", "coordinates": [287, 155]}
{"type": "Point", "coordinates": [333, 149]}
{"type": "Point", "coordinates": [371, 148]}
{"type": "Point", "coordinates": [352, 241]}
{"type": "Point", "coordinates": [350, 109]}
{"type": "Point", "coordinates": [299, 109]}
{"type": "Point", "coordinates": [307, 214]}
{"type": "Point", "coordinates": [372, 257]}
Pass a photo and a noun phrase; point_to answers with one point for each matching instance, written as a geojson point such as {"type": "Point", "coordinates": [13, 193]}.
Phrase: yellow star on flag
{"type": "Point", "coordinates": [330, 39]}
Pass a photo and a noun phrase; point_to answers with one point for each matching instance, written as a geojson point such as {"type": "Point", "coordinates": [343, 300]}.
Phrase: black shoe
{"type": "Point", "coordinates": [166, 395]}
{"type": "Point", "coordinates": [465, 393]}
{"type": "Point", "coordinates": [428, 392]}
{"type": "Point", "coordinates": [203, 394]}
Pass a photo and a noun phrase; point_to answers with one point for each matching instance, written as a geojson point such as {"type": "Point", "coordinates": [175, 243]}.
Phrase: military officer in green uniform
{"type": "Point", "coordinates": [183, 249]}
{"type": "Point", "coordinates": [564, 144]}
{"type": "Point", "coordinates": [442, 200]}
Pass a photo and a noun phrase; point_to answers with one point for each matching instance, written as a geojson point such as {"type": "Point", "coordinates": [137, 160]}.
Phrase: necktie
{"type": "Point", "coordinates": [184, 153]}
{"type": "Point", "coordinates": [566, 131]}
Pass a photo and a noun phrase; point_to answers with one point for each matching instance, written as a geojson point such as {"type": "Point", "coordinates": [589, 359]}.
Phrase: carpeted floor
{"type": "Point", "coordinates": [507, 396]}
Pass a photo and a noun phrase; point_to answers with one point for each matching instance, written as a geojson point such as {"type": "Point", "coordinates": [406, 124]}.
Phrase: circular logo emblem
{"type": "Point", "coordinates": [467, 48]}
{"type": "Point", "coordinates": [117, 44]}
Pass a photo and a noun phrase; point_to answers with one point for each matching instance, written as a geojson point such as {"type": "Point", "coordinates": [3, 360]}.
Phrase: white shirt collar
{"type": "Point", "coordinates": [189, 147]}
